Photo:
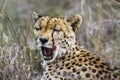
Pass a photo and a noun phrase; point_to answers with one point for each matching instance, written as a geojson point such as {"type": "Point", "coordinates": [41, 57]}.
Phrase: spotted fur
{"type": "Point", "coordinates": [69, 61]}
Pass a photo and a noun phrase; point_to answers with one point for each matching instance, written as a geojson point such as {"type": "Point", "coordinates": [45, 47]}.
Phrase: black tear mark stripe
{"type": "Point", "coordinates": [53, 41]}
{"type": "Point", "coordinates": [53, 38]}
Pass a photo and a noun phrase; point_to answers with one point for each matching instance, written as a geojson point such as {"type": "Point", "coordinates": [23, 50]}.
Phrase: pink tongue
{"type": "Point", "coordinates": [53, 47]}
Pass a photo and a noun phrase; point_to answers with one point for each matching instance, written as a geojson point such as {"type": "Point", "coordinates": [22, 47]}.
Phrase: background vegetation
{"type": "Point", "coordinates": [19, 57]}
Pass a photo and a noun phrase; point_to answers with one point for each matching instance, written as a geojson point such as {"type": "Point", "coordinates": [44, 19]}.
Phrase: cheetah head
{"type": "Point", "coordinates": [54, 35]}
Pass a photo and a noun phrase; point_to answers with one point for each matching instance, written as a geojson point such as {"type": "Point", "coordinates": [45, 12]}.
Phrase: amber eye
{"type": "Point", "coordinates": [38, 28]}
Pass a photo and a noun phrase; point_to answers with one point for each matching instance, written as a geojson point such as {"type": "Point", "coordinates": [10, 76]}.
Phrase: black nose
{"type": "Point", "coordinates": [43, 40]}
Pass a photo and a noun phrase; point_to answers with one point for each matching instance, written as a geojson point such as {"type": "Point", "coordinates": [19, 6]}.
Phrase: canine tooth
{"type": "Point", "coordinates": [45, 57]}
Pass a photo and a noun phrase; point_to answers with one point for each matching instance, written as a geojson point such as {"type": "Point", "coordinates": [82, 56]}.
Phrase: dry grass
{"type": "Point", "coordinates": [19, 56]}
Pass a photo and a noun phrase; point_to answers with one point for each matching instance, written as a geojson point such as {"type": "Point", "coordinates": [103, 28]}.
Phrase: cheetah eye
{"type": "Point", "coordinates": [56, 29]}
{"type": "Point", "coordinates": [38, 28]}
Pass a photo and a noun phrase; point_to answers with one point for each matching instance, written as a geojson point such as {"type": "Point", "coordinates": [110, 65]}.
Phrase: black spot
{"type": "Point", "coordinates": [97, 59]}
{"type": "Point", "coordinates": [115, 76]}
{"type": "Point", "coordinates": [94, 62]}
{"type": "Point", "coordinates": [90, 63]}
{"type": "Point", "coordinates": [72, 75]}
{"type": "Point", "coordinates": [82, 51]}
{"type": "Point", "coordinates": [61, 67]}
{"type": "Point", "coordinates": [87, 75]}
{"type": "Point", "coordinates": [105, 71]}
{"type": "Point", "coordinates": [68, 45]}
{"type": "Point", "coordinates": [73, 57]}
{"type": "Point", "coordinates": [80, 59]}
{"type": "Point", "coordinates": [76, 43]}
{"type": "Point", "coordinates": [102, 78]}
{"type": "Point", "coordinates": [85, 60]}
{"type": "Point", "coordinates": [74, 70]}
{"type": "Point", "coordinates": [77, 64]}
{"type": "Point", "coordinates": [80, 65]}
{"type": "Point", "coordinates": [47, 76]}
{"type": "Point", "coordinates": [67, 64]}
{"type": "Point", "coordinates": [79, 77]}
{"type": "Point", "coordinates": [73, 63]}
{"type": "Point", "coordinates": [116, 68]}
{"type": "Point", "coordinates": [66, 52]}
{"type": "Point", "coordinates": [58, 73]}
{"type": "Point", "coordinates": [77, 48]}
{"type": "Point", "coordinates": [77, 55]}
{"type": "Point", "coordinates": [50, 72]}
{"type": "Point", "coordinates": [56, 76]}
{"type": "Point", "coordinates": [93, 70]}
{"type": "Point", "coordinates": [91, 58]}
{"type": "Point", "coordinates": [68, 59]}
{"type": "Point", "coordinates": [108, 68]}
{"type": "Point", "coordinates": [46, 73]}
{"type": "Point", "coordinates": [101, 66]}
{"type": "Point", "coordinates": [90, 68]}
{"type": "Point", "coordinates": [73, 52]}
{"type": "Point", "coordinates": [57, 66]}
{"type": "Point", "coordinates": [84, 69]}
{"type": "Point", "coordinates": [50, 65]}
{"type": "Point", "coordinates": [69, 56]}
{"type": "Point", "coordinates": [96, 66]}
{"type": "Point", "coordinates": [68, 68]}
{"type": "Point", "coordinates": [62, 57]}
{"type": "Point", "coordinates": [100, 72]}
{"type": "Point", "coordinates": [63, 62]}
{"type": "Point", "coordinates": [64, 73]}
{"type": "Point", "coordinates": [86, 54]}
{"type": "Point", "coordinates": [50, 79]}
{"type": "Point", "coordinates": [49, 69]}
{"type": "Point", "coordinates": [97, 75]}
{"type": "Point", "coordinates": [78, 72]}
{"type": "Point", "coordinates": [61, 78]}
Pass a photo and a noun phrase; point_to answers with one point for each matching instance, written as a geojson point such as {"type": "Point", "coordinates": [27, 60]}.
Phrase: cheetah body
{"type": "Point", "coordinates": [63, 58]}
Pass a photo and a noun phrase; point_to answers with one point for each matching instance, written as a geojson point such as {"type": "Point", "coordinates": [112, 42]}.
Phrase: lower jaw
{"type": "Point", "coordinates": [47, 59]}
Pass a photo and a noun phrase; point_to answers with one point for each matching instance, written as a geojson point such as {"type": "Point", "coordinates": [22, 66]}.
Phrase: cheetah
{"type": "Point", "coordinates": [63, 58]}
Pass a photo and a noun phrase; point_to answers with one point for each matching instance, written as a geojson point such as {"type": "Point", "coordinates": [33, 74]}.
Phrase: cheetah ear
{"type": "Point", "coordinates": [35, 16]}
{"type": "Point", "coordinates": [75, 22]}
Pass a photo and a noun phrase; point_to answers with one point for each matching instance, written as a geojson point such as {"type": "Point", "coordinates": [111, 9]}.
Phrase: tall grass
{"type": "Point", "coordinates": [19, 56]}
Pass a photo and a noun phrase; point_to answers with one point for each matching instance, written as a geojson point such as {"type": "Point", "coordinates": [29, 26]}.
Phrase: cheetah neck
{"type": "Point", "coordinates": [74, 49]}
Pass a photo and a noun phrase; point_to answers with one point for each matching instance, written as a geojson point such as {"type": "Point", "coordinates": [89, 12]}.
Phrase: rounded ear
{"type": "Point", "coordinates": [75, 21]}
{"type": "Point", "coordinates": [35, 16]}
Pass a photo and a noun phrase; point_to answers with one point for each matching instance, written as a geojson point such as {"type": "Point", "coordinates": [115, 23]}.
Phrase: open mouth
{"type": "Point", "coordinates": [48, 53]}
